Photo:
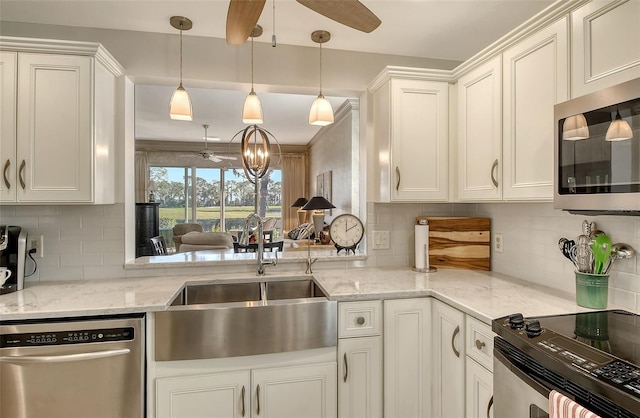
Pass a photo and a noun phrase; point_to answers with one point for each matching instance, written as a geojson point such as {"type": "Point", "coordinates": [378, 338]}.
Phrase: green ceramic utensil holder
{"type": "Point", "coordinates": [592, 290]}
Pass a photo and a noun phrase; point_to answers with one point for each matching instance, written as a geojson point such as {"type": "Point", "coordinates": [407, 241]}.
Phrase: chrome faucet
{"type": "Point", "coordinates": [244, 241]}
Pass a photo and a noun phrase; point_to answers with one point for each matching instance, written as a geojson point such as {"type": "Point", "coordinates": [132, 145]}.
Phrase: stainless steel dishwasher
{"type": "Point", "coordinates": [89, 368]}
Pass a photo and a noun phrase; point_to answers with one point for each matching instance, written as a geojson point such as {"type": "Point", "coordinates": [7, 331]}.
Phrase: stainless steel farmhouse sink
{"type": "Point", "coordinates": [216, 320]}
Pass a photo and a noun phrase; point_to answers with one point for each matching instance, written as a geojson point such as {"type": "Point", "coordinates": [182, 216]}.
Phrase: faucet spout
{"type": "Point", "coordinates": [244, 240]}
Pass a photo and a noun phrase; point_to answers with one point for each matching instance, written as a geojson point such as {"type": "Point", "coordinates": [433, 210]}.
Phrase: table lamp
{"type": "Point", "coordinates": [317, 204]}
{"type": "Point", "coordinates": [302, 215]}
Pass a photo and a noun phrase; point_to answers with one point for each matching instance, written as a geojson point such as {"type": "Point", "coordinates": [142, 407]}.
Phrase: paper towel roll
{"type": "Point", "coordinates": [422, 247]}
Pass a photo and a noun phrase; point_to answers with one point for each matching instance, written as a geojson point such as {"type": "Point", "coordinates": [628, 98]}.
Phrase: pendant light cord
{"type": "Point", "coordinates": [180, 54]}
{"type": "Point", "coordinates": [320, 68]}
{"type": "Point", "coordinates": [273, 37]}
{"type": "Point", "coordinates": [252, 61]}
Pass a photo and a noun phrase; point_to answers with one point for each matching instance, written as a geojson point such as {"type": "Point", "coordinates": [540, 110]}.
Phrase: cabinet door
{"type": "Point", "coordinates": [480, 132]}
{"type": "Point", "coordinates": [54, 128]}
{"type": "Point", "coordinates": [360, 380]}
{"type": "Point", "coordinates": [223, 395]}
{"type": "Point", "coordinates": [407, 357]}
{"type": "Point", "coordinates": [295, 391]}
{"type": "Point", "coordinates": [605, 45]}
{"type": "Point", "coordinates": [479, 391]}
{"type": "Point", "coordinates": [448, 361]}
{"type": "Point", "coordinates": [535, 79]}
{"type": "Point", "coordinates": [420, 138]}
{"type": "Point", "coordinates": [8, 80]}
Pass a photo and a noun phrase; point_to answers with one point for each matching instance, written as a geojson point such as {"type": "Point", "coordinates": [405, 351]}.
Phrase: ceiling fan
{"type": "Point", "coordinates": [210, 155]}
{"type": "Point", "coordinates": [243, 16]}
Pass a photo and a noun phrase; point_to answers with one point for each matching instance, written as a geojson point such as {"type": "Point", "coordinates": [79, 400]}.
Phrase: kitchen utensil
{"type": "Point", "coordinates": [586, 228]}
{"type": "Point", "coordinates": [583, 254]}
{"type": "Point", "coordinates": [619, 251]}
{"type": "Point", "coordinates": [601, 248]}
{"type": "Point", "coordinates": [595, 233]}
{"type": "Point", "coordinates": [568, 249]}
{"type": "Point", "coordinates": [5, 273]}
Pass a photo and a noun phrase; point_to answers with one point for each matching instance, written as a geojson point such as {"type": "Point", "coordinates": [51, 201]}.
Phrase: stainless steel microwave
{"type": "Point", "coordinates": [597, 152]}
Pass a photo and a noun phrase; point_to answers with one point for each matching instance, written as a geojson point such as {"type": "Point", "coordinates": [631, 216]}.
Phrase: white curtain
{"type": "Point", "coordinates": [142, 176]}
{"type": "Point", "coordinates": [294, 185]}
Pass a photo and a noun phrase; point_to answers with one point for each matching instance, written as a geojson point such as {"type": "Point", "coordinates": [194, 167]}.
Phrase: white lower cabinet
{"type": "Point", "coordinates": [295, 391]}
{"type": "Point", "coordinates": [479, 390]}
{"type": "Point", "coordinates": [407, 358]}
{"type": "Point", "coordinates": [448, 361]}
{"type": "Point", "coordinates": [360, 377]}
{"type": "Point", "coordinates": [223, 395]}
{"type": "Point", "coordinates": [360, 359]}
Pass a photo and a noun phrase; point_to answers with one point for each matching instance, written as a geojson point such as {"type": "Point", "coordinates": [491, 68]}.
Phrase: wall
{"type": "Point", "coordinates": [332, 149]}
{"type": "Point", "coordinates": [530, 235]}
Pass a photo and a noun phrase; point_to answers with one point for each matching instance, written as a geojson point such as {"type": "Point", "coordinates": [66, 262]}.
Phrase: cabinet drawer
{"type": "Point", "coordinates": [357, 319]}
{"type": "Point", "coordinates": [480, 342]}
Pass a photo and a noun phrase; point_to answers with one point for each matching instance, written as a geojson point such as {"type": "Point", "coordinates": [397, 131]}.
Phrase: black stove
{"type": "Point", "coordinates": [593, 357]}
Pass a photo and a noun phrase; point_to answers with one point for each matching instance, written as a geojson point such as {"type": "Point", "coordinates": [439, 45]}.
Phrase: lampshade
{"type": "Point", "coordinates": [300, 202]}
{"type": "Point", "coordinates": [317, 203]}
{"type": "Point", "coordinates": [619, 130]}
{"type": "Point", "coordinates": [252, 111]}
{"type": "Point", "coordinates": [180, 104]}
{"type": "Point", "coordinates": [575, 128]}
{"type": "Point", "coordinates": [321, 113]}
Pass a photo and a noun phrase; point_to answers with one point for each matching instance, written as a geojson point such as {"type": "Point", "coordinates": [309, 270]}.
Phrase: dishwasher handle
{"type": "Point", "coordinates": [66, 357]}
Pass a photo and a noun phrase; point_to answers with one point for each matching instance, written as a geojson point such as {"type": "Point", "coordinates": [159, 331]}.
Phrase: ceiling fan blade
{"type": "Point", "coordinates": [242, 17]}
{"type": "Point", "coordinates": [224, 157]}
{"type": "Point", "coordinates": [351, 13]}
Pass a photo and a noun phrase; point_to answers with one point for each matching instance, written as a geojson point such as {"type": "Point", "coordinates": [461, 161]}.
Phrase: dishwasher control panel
{"type": "Point", "coordinates": [33, 339]}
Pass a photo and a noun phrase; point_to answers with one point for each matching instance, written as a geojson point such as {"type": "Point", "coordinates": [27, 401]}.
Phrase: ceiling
{"type": "Point", "coordinates": [443, 29]}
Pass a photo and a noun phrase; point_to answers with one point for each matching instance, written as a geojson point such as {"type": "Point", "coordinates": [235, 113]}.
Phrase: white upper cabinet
{"type": "Point", "coordinates": [480, 132]}
{"type": "Point", "coordinates": [411, 138]}
{"type": "Point", "coordinates": [536, 78]}
{"type": "Point", "coordinates": [605, 45]}
{"type": "Point", "coordinates": [58, 133]}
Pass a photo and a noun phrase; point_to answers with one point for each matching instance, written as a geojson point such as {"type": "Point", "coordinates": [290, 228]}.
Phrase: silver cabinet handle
{"type": "Point", "coordinates": [258, 399]}
{"type": "Point", "coordinates": [4, 174]}
{"type": "Point", "coordinates": [360, 320]}
{"type": "Point", "coordinates": [65, 358]}
{"type": "Point", "coordinates": [242, 395]}
{"type": "Point", "coordinates": [21, 175]}
{"type": "Point", "coordinates": [453, 337]}
{"type": "Point", "coordinates": [346, 368]}
{"type": "Point", "coordinates": [479, 344]}
{"type": "Point", "coordinates": [489, 407]}
{"type": "Point", "coordinates": [398, 176]}
{"type": "Point", "coordinates": [493, 169]}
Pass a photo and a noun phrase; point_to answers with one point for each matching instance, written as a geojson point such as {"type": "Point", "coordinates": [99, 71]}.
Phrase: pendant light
{"type": "Point", "coordinates": [619, 130]}
{"type": "Point", "coordinates": [575, 128]}
{"type": "Point", "coordinates": [321, 113]}
{"type": "Point", "coordinates": [252, 111]}
{"type": "Point", "coordinates": [180, 104]}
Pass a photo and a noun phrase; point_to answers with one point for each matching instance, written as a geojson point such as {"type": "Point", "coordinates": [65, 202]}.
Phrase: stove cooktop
{"type": "Point", "coordinates": [599, 351]}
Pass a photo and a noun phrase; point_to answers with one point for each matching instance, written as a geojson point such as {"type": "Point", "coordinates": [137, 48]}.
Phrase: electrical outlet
{"type": "Point", "coordinates": [498, 243]}
{"type": "Point", "coordinates": [380, 240]}
{"type": "Point", "coordinates": [36, 242]}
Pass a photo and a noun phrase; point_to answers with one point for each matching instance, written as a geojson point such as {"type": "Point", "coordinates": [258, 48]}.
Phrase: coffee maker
{"type": "Point", "coordinates": [13, 253]}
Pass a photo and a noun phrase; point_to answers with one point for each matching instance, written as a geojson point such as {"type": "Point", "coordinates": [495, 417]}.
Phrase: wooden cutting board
{"type": "Point", "coordinates": [459, 242]}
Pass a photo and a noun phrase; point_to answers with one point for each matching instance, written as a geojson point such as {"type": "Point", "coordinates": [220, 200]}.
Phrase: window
{"type": "Point", "coordinates": [217, 198]}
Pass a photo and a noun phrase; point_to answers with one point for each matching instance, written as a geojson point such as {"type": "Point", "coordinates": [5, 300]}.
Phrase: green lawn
{"type": "Point", "coordinates": [214, 213]}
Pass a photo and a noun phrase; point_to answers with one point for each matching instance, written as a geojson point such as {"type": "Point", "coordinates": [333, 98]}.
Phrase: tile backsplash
{"type": "Point", "coordinates": [87, 242]}
{"type": "Point", "coordinates": [530, 235]}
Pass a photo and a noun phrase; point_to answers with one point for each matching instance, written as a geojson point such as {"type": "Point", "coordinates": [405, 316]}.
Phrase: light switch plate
{"type": "Point", "coordinates": [380, 240]}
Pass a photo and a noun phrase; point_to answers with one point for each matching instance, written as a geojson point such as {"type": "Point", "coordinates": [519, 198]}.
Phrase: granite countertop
{"type": "Point", "coordinates": [484, 295]}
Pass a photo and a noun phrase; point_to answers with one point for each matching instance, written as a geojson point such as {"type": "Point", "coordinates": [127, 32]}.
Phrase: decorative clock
{"type": "Point", "coordinates": [346, 232]}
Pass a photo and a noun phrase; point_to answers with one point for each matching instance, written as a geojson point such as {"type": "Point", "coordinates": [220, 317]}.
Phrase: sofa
{"type": "Point", "coordinates": [195, 241]}
{"type": "Point", "coordinates": [180, 229]}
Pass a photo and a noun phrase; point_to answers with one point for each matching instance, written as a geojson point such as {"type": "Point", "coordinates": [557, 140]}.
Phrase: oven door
{"type": "Point", "coordinates": [516, 394]}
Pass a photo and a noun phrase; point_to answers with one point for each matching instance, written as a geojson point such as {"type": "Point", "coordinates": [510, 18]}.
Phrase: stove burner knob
{"type": "Point", "coordinates": [516, 320]}
{"type": "Point", "coordinates": [533, 328]}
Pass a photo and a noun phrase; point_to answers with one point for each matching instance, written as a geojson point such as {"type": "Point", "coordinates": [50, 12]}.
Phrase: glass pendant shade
{"type": "Point", "coordinates": [252, 111]}
{"type": "Point", "coordinates": [180, 105]}
{"type": "Point", "coordinates": [575, 128]}
{"type": "Point", "coordinates": [619, 130]}
{"type": "Point", "coordinates": [321, 113]}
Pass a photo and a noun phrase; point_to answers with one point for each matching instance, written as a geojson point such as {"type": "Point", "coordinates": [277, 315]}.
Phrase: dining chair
{"type": "Point", "coordinates": [253, 247]}
{"type": "Point", "coordinates": [158, 246]}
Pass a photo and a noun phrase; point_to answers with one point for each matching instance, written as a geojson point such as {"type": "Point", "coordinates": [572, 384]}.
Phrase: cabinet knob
{"type": "Point", "coordinates": [480, 344]}
{"type": "Point", "coordinates": [360, 320]}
